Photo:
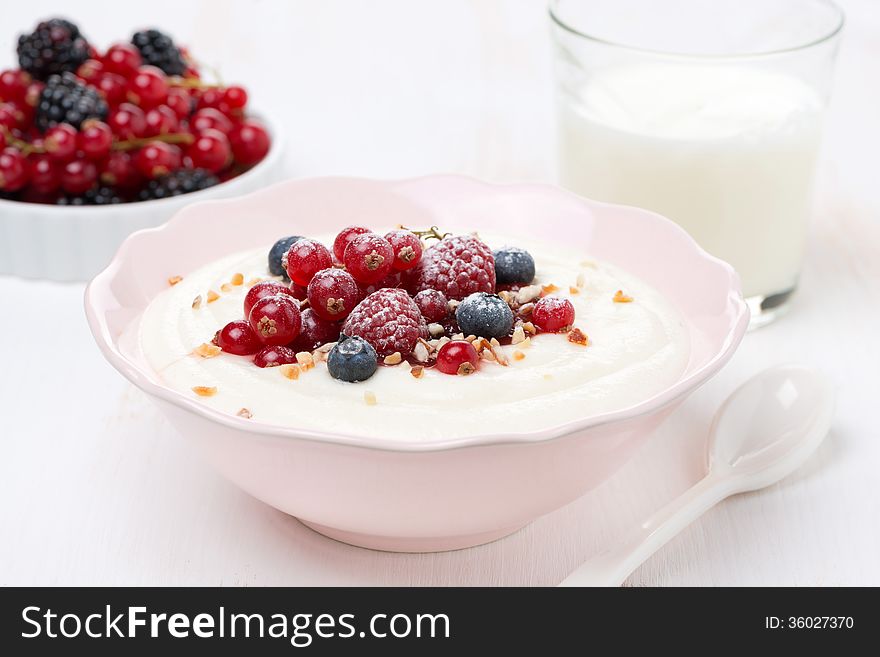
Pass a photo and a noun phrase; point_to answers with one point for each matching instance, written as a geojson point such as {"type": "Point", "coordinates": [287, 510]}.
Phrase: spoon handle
{"type": "Point", "coordinates": [612, 567]}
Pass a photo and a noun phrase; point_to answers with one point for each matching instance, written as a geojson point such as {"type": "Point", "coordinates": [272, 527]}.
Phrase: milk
{"type": "Point", "coordinates": [728, 152]}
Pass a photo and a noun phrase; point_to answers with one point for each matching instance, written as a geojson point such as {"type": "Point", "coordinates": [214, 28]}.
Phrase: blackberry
{"type": "Point", "coordinates": [352, 359]}
{"type": "Point", "coordinates": [484, 315]}
{"type": "Point", "coordinates": [96, 196]}
{"type": "Point", "coordinates": [513, 265]}
{"type": "Point", "coordinates": [276, 253]}
{"type": "Point", "coordinates": [159, 50]}
{"type": "Point", "coordinates": [65, 99]}
{"type": "Point", "coordinates": [56, 46]}
{"type": "Point", "coordinates": [182, 181]}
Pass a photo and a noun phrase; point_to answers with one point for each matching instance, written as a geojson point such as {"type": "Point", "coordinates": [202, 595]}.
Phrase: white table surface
{"type": "Point", "coordinates": [95, 487]}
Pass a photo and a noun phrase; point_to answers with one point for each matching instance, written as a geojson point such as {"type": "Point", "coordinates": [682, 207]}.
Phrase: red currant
{"type": "Point", "coordinates": [128, 121]}
{"type": "Point", "coordinates": [238, 338]}
{"type": "Point", "coordinates": [299, 292]}
{"type": "Point", "coordinates": [148, 87]}
{"type": "Point", "coordinates": [10, 116]}
{"type": "Point", "coordinates": [44, 178]}
{"type": "Point", "coordinates": [210, 151]}
{"type": "Point", "coordinates": [112, 87]}
{"type": "Point", "coordinates": [157, 159]}
{"type": "Point", "coordinates": [94, 139]}
{"type": "Point", "coordinates": [315, 332]}
{"type": "Point", "coordinates": [161, 120]}
{"type": "Point", "coordinates": [345, 236]}
{"type": "Point", "coordinates": [333, 293]}
{"type": "Point", "coordinates": [119, 171]}
{"type": "Point", "coordinates": [391, 280]}
{"type": "Point", "coordinates": [553, 314]}
{"type": "Point", "coordinates": [210, 98]}
{"type": "Point", "coordinates": [458, 357]}
{"type": "Point", "coordinates": [433, 305]}
{"type": "Point", "coordinates": [275, 319]}
{"type": "Point", "coordinates": [275, 356]}
{"type": "Point", "coordinates": [13, 170]}
{"type": "Point", "coordinates": [368, 258]}
{"type": "Point", "coordinates": [304, 259]}
{"type": "Point", "coordinates": [14, 84]}
{"type": "Point", "coordinates": [179, 101]}
{"type": "Point", "coordinates": [235, 97]}
{"type": "Point", "coordinates": [78, 176]}
{"type": "Point", "coordinates": [90, 70]}
{"type": "Point", "coordinates": [209, 117]}
{"type": "Point", "coordinates": [32, 95]}
{"type": "Point", "coordinates": [407, 249]}
{"type": "Point", "coordinates": [250, 142]}
{"type": "Point", "coordinates": [264, 289]}
{"type": "Point", "coordinates": [123, 59]}
{"type": "Point", "coordinates": [60, 142]}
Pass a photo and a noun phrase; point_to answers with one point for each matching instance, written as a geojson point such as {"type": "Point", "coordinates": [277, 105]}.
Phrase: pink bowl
{"type": "Point", "coordinates": [441, 494]}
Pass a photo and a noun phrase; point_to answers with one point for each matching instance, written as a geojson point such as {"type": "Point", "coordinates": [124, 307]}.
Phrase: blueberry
{"type": "Point", "coordinates": [352, 359]}
{"type": "Point", "coordinates": [277, 252]}
{"type": "Point", "coordinates": [484, 315]}
{"type": "Point", "coordinates": [513, 265]}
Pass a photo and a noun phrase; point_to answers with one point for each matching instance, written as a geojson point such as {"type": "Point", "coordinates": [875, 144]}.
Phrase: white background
{"type": "Point", "coordinates": [95, 488]}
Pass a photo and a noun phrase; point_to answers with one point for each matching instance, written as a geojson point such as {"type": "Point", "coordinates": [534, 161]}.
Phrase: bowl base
{"type": "Point", "coordinates": [410, 543]}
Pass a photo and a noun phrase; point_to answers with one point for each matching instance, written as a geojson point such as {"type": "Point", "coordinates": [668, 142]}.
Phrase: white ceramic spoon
{"type": "Point", "coordinates": [764, 431]}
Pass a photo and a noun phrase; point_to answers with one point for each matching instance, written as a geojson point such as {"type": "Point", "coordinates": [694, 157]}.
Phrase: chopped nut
{"type": "Point", "coordinates": [577, 336]}
{"type": "Point", "coordinates": [581, 280]}
{"type": "Point", "coordinates": [436, 329]}
{"type": "Point", "coordinates": [207, 350]}
{"type": "Point", "coordinates": [507, 297]}
{"type": "Point", "coordinates": [237, 279]}
{"type": "Point", "coordinates": [518, 355]}
{"type": "Point", "coordinates": [458, 336]}
{"type": "Point", "coordinates": [326, 348]}
{"type": "Point", "coordinates": [174, 280]}
{"type": "Point", "coordinates": [525, 343]}
{"type": "Point", "coordinates": [226, 287]}
{"type": "Point", "coordinates": [494, 342]}
{"type": "Point", "coordinates": [574, 290]}
{"type": "Point", "coordinates": [290, 371]}
{"type": "Point", "coordinates": [518, 335]}
{"type": "Point", "coordinates": [466, 368]}
{"type": "Point", "coordinates": [212, 296]}
{"type": "Point", "coordinates": [470, 338]}
{"type": "Point", "coordinates": [498, 352]}
{"type": "Point", "coordinates": [591, 264]}
{"type": "Point", "coordinates": [549, 289]}
{"type": "Point", "coordinates": [452, 305]}
{"type": "Point", "coordinates": [526, 309]}
{"type": "Point", "coordinates": [436, 344]}
{"type": "Point", "coordinates": [254, 281]}
{"type": "Point", "coordinates": [245, 413]}
{"type": "Point", "coordinates": [548, 377]}
{"type": "Point", "coordinates": [320, 356]}
{"type": "Point", "coordinates": [305, 360]}
{"type": "Point", "coordinates": [620, 297]}
{"type": "Point", "coordinates": [420, 352]}
{"type": "Point", "coordinates": [528, 293]}
{"type": "Point", "coordinates": [205, 391]}
{"type": "Point", "coordinates": [417, 371]}
{"type": "Point", "coordinates": [528, 327]}
{"type": "Point", "coordinates": [197, 302]}
{"type": "Point", "coordinates": [488, 355]}
{"type": "Point", "coordinates": [393, 359]}
{"type": "Point", "coordinates": [370, 397]}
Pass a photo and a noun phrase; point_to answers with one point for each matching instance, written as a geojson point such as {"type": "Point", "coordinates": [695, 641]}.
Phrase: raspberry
{"type": "Point", "coordinates": [456, 266]}
{"type": "Point", "coordinates": [553, 314]}
{"type": "Point", "coordinates": [389, 320]}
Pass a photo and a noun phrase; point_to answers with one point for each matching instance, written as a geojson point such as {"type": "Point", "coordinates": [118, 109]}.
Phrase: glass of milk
{"type": "Point", "coordinates": [708, 112]}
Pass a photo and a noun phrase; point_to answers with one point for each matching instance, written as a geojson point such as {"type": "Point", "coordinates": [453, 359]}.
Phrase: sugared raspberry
{"type": "Point", "coordinates": [553, 314]}
{"type": "Point", "coordinates": [456, 266]}
{"type": "Point", "coordinates": [433, 304]}
{"type": "Point", "coordinates": [389, 320]}
{"type": "Point", "coordinates": [369, 258]}
{"type": "Point", "coordinates": [333, 294]}
{"type": "Point", "coordinates": [407, 249]}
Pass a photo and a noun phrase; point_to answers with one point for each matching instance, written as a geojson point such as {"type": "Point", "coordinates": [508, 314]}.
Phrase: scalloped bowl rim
{"type": "Point", "coordinates": [61, 212]}
{"type": "Point", "coordinates": [682, 387]}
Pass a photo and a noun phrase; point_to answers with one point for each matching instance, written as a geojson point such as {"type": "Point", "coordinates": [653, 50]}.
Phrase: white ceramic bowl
{"type": "Point", "coordinates": [65, 243]}
{"type": "Point", "coordinates": [435, 494]}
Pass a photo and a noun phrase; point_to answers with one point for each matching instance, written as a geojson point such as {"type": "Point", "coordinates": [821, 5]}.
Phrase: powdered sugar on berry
{"type": "Point", "coordinates": [635, 350]}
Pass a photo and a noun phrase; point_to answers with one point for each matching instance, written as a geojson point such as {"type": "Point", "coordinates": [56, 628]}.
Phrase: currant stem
{"type": "Point", "coordinates": [432, 233]}
{"type": "Point", "coordinates": [139, 142]}
{"type": "Point", "coordinates": [26, 148]}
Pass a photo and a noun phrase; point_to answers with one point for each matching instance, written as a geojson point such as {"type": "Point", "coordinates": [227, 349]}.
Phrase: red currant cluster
{"type": "Point", "coordinates": [113, 127]}
{"type": "Point", "coordinates": [395, 293]}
